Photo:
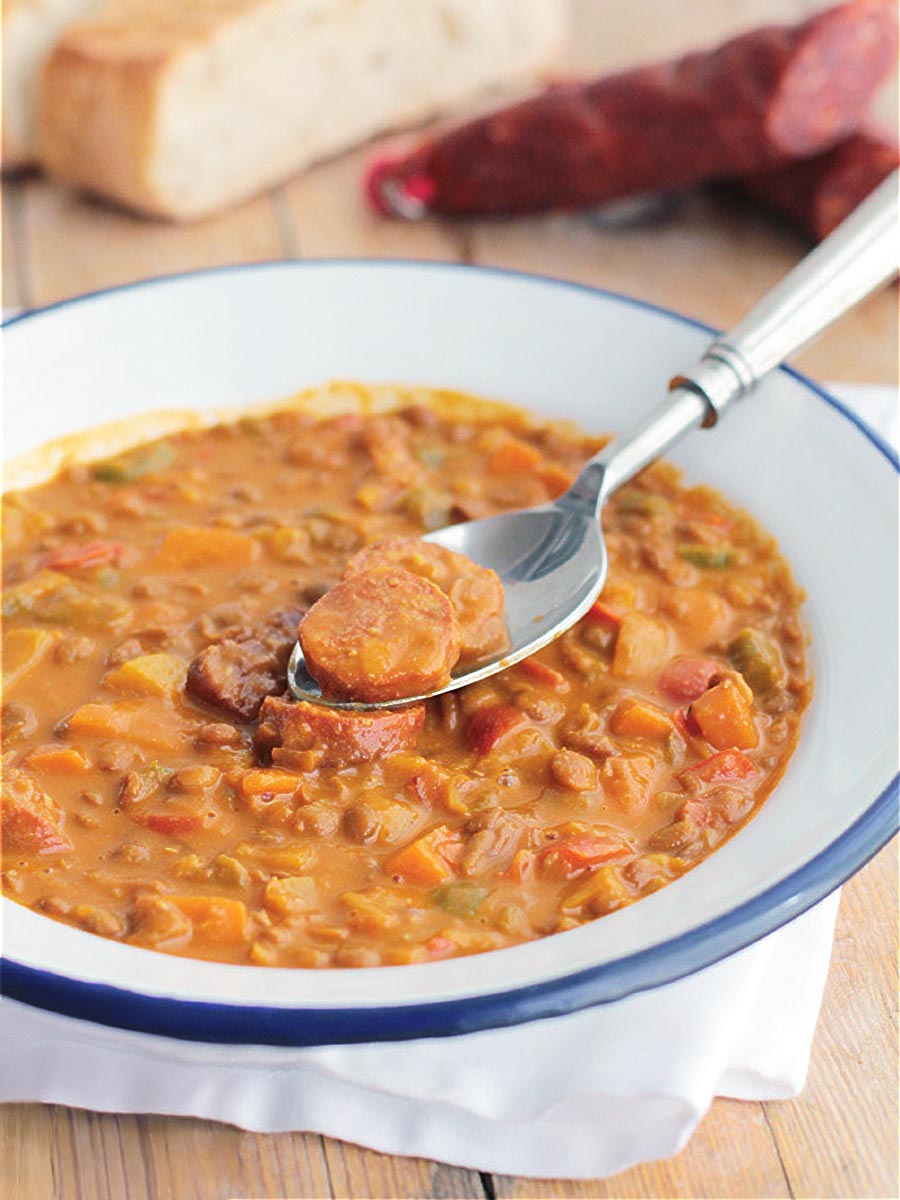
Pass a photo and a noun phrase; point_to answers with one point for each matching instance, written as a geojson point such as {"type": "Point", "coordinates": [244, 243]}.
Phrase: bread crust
{"type": "Point", "coordinates": [30, 29]}
{"type": "Point", "coordinates": [116, 92]}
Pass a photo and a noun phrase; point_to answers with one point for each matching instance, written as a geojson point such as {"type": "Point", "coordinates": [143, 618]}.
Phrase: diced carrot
{"type": "Point", "coordinates": [727, 766]}
{"type": "Point", "coordinates": [269, 782]}
{"type": "Point", "coordinates": [23, 650]}
{"type": "Point", "coordinates": [287, 896]}
{"type": "Point", "coordinates": [725, 718]}
{"type": "Point", "coordinates": [514, 456]}
{"type": "Point", "coordinates": [556, 479]}
{"type": "Point", "coordinates": [149, 675]}
{"type": "Point", "coordinates": [634, 718]}
{"type": "Point", "coordinates": [422, 861]}
{"type": "Point", "coordinates": [59, 760]}
{"type": "Point", "coordinates": [641, 645]}
{"type": "Point", "coordinates": [534, 669]}
{"type": "Point", "coordinates": [374, 911]}
{"type": "Point", "coordinates": [625, 780]}
{"type": "Point", "coordinates": [686, 678]}
{"type": "Point", "coordinates": [199, 546]}
{"type": "Point", "coordinates": [573, 854]}
{"type": "Point", "coordinates": [76, 557]}
{"type": "Point", "coordinates": [144, 725]}
{"type": "Point", "coordinates": [217, 920]}
{"type": "Point", "coordinates": [600, 614]}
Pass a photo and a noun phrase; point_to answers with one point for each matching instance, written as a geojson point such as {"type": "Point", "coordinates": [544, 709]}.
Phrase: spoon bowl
{"type": "Point", "coordinates": [552, 563]}
{"type": "Point", "coordinates": [552, 560]}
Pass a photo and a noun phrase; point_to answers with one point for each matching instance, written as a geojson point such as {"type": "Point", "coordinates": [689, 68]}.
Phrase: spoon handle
{"type": "Point", "coordinates": [860, 256]}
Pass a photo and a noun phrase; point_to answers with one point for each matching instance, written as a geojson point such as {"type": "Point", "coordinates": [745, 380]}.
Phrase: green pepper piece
{"type": "Point", "coordinates": [638, 503]}
{"type": "Point", "coordinates": [139, 786]}
{"type": "Point", "coordinates": [427, 506]}
{"type": "Point", "coordinates": [757, 658]}
{"type": "Point", "coordinates": [715, 557]}
{"type": "Point", "coordinates": [132, 464]}
{"type": "Point", "coordinates": [431, 457]}
{"type": "Point", "coordinates": [462, 897]}
{"type": "Point", "coordinates": [56, 599]}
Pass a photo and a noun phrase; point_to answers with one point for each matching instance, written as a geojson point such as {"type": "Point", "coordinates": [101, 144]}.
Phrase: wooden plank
{"type": "Point", "coordinates": [26, 1138]}
{"type": "Point", "coordinates": [731, 1154]}
{"type": "Point", "coordinates": [356, 1173]}
{"type": "Point", "coordinates": [13, 291]}
{"type": "Point", "coordinates": [69, 1154]}
{"type": "Point", "coordinates": [618, 34]}
{"type": "Point", "coordinates": [327, 216]}
{"type": "Point", "coordinates": [75, 245]}
{"type": "Point", "coordinates": [840, 1138]}
{"type": "Point", "coordinates": [706, 258]}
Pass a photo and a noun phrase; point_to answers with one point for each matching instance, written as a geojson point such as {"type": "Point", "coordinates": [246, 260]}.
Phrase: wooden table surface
{"type": "Point", "coordinates": [708, 260]}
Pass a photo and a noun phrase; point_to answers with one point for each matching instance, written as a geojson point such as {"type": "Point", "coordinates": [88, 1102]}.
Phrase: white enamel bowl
{"type": "Point", "coordinates": [821, 482]}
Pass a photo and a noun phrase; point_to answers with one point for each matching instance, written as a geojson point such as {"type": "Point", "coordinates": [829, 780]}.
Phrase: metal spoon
{"type": "Point", "coordinates": [552, 559]}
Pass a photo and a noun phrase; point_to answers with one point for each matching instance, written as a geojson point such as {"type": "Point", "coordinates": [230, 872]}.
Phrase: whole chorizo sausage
{"type": "Point", "coordinates": [817, 194]}
{"type": "Point", "coordinates": [763, 99]}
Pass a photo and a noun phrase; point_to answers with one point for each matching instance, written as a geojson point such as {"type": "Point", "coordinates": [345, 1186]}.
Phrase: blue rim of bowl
{"type": "Point", "coordinates": [207, 1021]}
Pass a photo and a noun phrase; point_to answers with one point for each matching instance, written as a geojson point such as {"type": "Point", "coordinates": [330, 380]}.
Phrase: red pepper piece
{"type": "Point", "coordinates": [31, 819]}
{"type": "Point", "coordinates": [684, 679]}
{"type": "Point", "coordinates": [440, 946]}
{"type": "Point", "coordinates": [727, 766]}
{"type": "Point", "coordinates": [490, 724]}
{"type": "Point", "coordinates": [77, 557]}
{"type": "Point", "coordinates": [540, 673]}
{"type": "Point", "coordinates": [599, 614]}
{"type": "Point", "coordinates": [173, 824]}
{"type": "Point", "coordinates": [585, 850]}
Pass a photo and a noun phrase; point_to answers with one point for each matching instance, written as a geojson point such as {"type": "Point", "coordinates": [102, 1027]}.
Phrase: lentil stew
{"type": "Point", "coordinates": [159, 788]}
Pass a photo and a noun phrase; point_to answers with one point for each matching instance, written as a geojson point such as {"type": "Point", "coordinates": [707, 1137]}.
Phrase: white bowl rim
{"type": "Point", "coordinates": [655, 966]}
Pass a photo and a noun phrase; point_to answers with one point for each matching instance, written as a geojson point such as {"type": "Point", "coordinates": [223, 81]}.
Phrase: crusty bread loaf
{"type": "Point", "coordinates": [30, 30]}
{"type": "Point", "coordinates": [180, 107]}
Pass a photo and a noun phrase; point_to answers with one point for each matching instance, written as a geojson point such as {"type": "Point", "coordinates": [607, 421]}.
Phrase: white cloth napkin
{"type": "Point", "coordinates": [580, 1096]}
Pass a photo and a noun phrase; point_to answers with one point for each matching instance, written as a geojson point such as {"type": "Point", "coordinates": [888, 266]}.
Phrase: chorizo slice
{"type": "Point", "coordinates": [475, 592]}
{"type": "Point", "coordinates": [237, 673]}
{"type": "Point", "coordinates": [380, 635]}
{"type": "Point", "coordinates": [768, 97]}
{"type": "Point", "coordinates": [337, 738]}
